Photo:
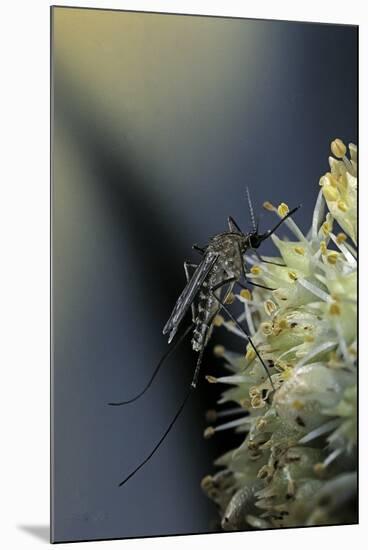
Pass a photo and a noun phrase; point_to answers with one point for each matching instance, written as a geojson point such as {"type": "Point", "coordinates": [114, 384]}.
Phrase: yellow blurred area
{"type": "Point", "coordinates": [151, 70]}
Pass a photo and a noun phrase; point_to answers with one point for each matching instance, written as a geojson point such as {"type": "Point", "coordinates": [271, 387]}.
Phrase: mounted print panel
{"type": "Point", "coordinates": [204, 274]}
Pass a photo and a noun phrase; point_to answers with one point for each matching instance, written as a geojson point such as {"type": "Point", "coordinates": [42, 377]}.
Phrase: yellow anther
{"type": "Point", "coordinates": [211, 415]}
{"type": "Point", "coordinates": [250, 354]}
{"type": "Point", "coordinates": [211, 379]}
{"type": "Point", "coordinates": [270, 307]}
{"type": "Point", "coordinates": [342, 206]}
{"type": "Point", "coordinates": [245, 293]}
{"type": "Point", "coordinates": [253, 391]}
{"type": "Point", "coordinates": [282, 209]}
{"type": "Point", "coordinates": [343, 182]}
{"type": "Point", "coordinates": [256, 270]}
{"type": "Point", "coordinates": [323, 247]}
{"type": "Point", "coordinates": [331, 179]}
{"type": "Point", "coordinates": [207, 482]}
{"type": "Point", "coordinates": [341, 238]}
{"type": "Point", "coordinates": [269, 206]}
{"type": "Point", "coordinates": [265, 472]}
{"type": "Point", "coordinates": [209, 432]}
{"type": "Point", "coordinates": [319, 468]}
{"type": "Point", "coordinates": [283, 324]}
{"type": "Point", "coordinates": [219, 351]}
{"type": "Point", "coordinates": [261, 424]}
{"type": "Point", "coordinates": [266, 328]}
{"type": "Point", "coordinates": [257, 402]}
{"type": "Point", "coordinates": [335, 309]}
{"type": "Point", "coordinates": [297, 405]}
{"type": "Point", "coordinates": [292, 275]}
{"type": "Point", "coordinates": [332, 257]}
{"type": "Point", "coordinates": [299, 250]}
{"type": "Point", "coordinates": [218, 321]}
{"type": "Point", "coordinates": [338, 148]}
{"type": "Point", "coordinates": [329, 219]}
{"type": "Point", "coordinates": [287, 372]}
{"type": "Point", "coordinates": [230, 299]}
{"type": "Point", "coordinates": [330, 193]}
{"type": "Point", "coordinates": [326, 228]}
{"type": "Point", "coordinates": [328, 179]}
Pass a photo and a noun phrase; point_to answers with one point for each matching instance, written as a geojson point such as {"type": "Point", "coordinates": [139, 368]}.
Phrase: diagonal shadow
{"type": "Point", "coordinates": [41, 532]}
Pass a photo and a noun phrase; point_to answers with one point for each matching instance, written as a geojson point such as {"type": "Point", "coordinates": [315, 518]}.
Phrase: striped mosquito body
{"type": "Point", "coordinates": [212, 281]}
{"type": "Point", "coordinates": [209, 284]}
{"type": "Point", "coordinates": [228, 265]}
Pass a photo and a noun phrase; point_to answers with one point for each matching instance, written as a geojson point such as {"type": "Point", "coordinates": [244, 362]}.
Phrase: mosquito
{"type": "Point", "coordinates": [209, 284]}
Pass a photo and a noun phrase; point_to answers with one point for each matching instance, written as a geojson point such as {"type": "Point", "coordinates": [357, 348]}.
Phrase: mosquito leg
{"type": "Point", "coordinates": [265, 261]}
{"type": "Point", "coordinates": [233, 225]}
{"type": "Point", "coordinates": [246, 278]}
{"type": "Point", "coordinates": [225, 282]}
{"type": "Point", "coordinates": [192, 387]}
{"type": "Point", "coordinates": [197, 369]}
{"type": "Point", "coordinates": [187, 265]}
{"type": "Point", "coordinates": [254, 284]}
{"type": "Point", "coordinates": [198, 249]}
{"type": "Point", "coordinates": [155, 372]}
{"type": "Point", "coordinates": [242, 329]}
{"type": "Point", "coordinates": [162, 438]}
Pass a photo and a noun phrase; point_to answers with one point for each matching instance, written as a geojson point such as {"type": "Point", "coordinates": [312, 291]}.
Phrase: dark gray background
{"type": "Point", "coordinates": [151, 154]}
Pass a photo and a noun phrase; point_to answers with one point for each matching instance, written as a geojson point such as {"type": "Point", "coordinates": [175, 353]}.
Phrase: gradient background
{"type": "Point", "coordinates": [158, 123]}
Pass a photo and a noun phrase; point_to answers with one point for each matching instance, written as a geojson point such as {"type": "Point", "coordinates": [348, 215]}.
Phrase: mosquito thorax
{"type": "Point", "coordinates": [230, 247]}
{"type": "Point", "coordinates": [227, 244]}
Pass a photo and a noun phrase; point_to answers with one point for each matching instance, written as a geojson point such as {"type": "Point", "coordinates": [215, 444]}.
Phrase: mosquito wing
{"type": "Point", "coordinates": [189, 293]}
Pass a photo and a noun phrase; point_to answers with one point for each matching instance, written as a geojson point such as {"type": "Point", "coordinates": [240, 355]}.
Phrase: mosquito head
{"type": "Point", "coordinates": [255, 239]}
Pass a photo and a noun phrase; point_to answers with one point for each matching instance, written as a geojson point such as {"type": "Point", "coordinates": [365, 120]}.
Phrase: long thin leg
{"type": "Point", "coordinates": [155, 372]}
{"type": "Point", "coordinates": [271, 231]}
{"type": "Point", "coordinates": [265, 261]}
{"type": "Point", "coordinates": [225, 282]}
{"type": "Point", "coordinates": [192, 387]}
{"type": "Point", "coordinates": [197, 369]}
{"type": "Point", "coordinates": [187, 265]}
{"type": "Point", "coordinates": [232, 279]}
{"type": "Point", "coordinates": [162, 438]}
{"type": "Point", "coordinates": [254, 284]}
{"type": "Point", "coordinates": [246, 278]}
{"type": "Point", "coordinates": [198, 249]}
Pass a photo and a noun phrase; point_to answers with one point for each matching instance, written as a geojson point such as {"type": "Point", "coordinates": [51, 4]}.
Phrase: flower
{"type": "Point", "coordinates": [297, 462]}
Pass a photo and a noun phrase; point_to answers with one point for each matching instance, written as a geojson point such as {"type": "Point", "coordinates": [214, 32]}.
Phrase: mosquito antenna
{"type": "Point", "coordinates": [155, 372]}
{"type": "Point", "coordinates": [177, 414]}
{"type": "Point", "coordinates": [254, 225]}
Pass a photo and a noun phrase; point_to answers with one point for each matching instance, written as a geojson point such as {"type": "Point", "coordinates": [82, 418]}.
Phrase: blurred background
{"type": "Point", "coordinates": [158, 124]}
